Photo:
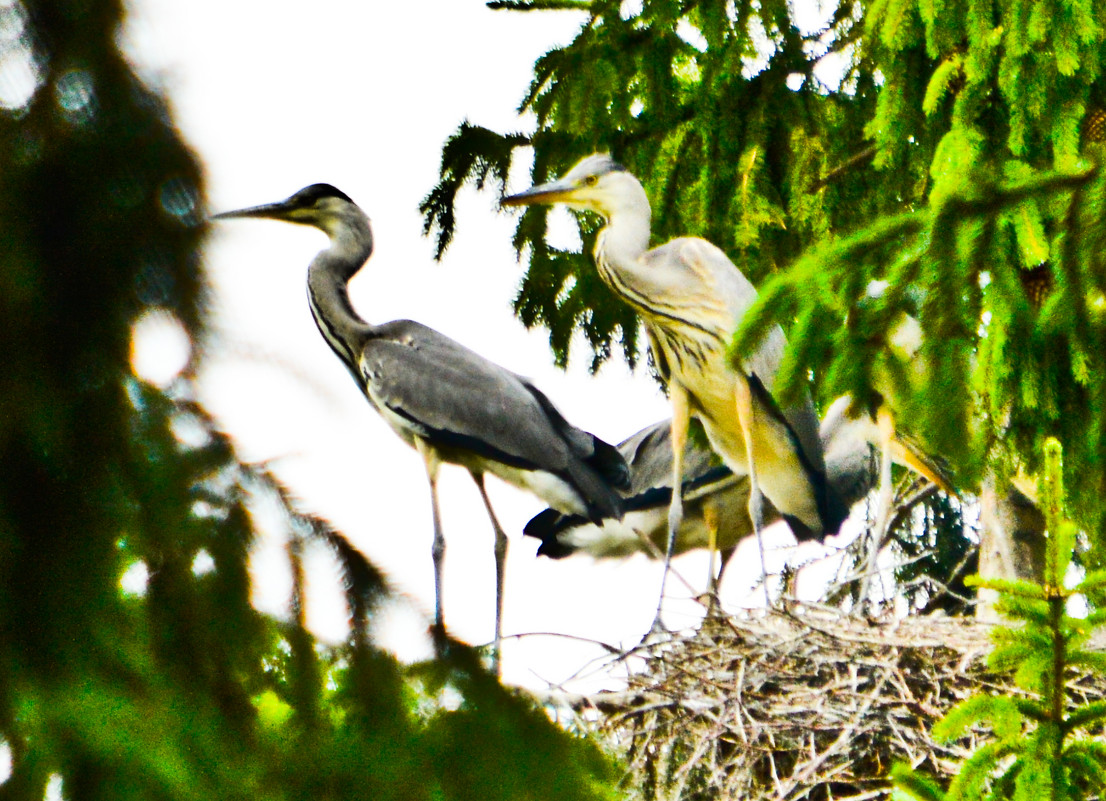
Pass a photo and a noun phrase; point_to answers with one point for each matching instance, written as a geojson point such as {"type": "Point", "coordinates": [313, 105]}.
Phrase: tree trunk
{"type": "Point", "coordinates": [1011, 541]}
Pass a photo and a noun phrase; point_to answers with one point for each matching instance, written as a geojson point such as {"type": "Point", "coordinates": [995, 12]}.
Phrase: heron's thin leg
{"type": "Point", "coordinates": [886, 427]}
{"type": "Point", "coordinates": [711, 518]}
{"type": "Point", "coordinates": [433, 462]}
{"type": "Point", "coordinates": [747, 420]}
{"type": "Point", "coordinates": [680, 419]}
{"type": "Point", "coordinates": [726, 555]}
{"type": "Point", "coordinates": [500, 568]}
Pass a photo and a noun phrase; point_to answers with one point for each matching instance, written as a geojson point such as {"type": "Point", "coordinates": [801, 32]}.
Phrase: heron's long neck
{"type": "Point", "coordinates": [327, 292]}
{"type": "Point", "coordinates": [625, 238]}
{"type": "Point", "coordinates": [620, 246]}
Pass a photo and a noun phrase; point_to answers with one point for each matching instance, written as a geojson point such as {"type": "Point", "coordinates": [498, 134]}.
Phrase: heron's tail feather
{"type": "Point", "coordinates": [600, 470]}
{"type": "Point", "coordinates": [545, 526]}
{"type": "Point", "coordinates": [548, 524]}
{"type": "Point", "coordinates": [609, 463]}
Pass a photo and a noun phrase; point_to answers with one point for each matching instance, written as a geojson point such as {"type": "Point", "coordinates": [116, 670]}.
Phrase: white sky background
{"type": "Point", "coordinates": [277, 95]}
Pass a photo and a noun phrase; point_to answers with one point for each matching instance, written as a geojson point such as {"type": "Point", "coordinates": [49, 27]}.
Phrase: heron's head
{"type": "Point", "coordinates": [319, 205]}
{"type": "Point", "coordinates": [597, 183]}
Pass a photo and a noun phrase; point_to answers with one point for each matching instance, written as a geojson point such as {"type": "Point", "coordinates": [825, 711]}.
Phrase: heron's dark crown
{"type": "Point", "coordinates": [597, 164]}
{"type": "Point", "coordinates": [309, 195]}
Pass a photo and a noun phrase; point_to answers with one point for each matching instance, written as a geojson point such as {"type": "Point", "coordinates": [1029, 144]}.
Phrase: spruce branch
{"type": "Point", "coordinates": [540, 5]}
{"type": "Point", "coordinates": [851, 163]}
{"type": "Point", "coordinates": [472, 154]}
{"type": "Point", "coordinates": [1040, 747]}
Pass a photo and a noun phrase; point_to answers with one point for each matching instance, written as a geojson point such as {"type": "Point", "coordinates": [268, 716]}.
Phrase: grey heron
{"type": "Point", "coordinates": [714, 504]}
{"type": "Point", "coordinates": [691, 298]}
{"type": "Point", "coordinates": [446, 401]}
{"type": "Point", "coordinates": [715, 499]}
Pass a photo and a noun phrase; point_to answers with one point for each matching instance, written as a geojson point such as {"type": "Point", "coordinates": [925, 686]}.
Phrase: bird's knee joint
{"type": "Point", "coordinates": [675, 516]}
{"type": "Point", "coordinates": [756, 507]}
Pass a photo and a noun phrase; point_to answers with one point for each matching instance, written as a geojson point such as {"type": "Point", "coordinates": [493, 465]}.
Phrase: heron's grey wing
{"type": "Point", "coordinates": [725, 281]}
{"type": "Point", "coordinates": [690, 284]}
{"type": "Point", "coordinates": [803, 421]}
{"type": "Point", "coordinates": [649, 455]}
{"type": "Point", "coordinates": [601, 456]}
{"type": "Point", "coordinates": [449, 391]}
{"type": "Point", "coordinates": [455, 398]}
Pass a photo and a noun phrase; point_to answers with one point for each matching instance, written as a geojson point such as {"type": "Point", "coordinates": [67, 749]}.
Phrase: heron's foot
{"type": "Point", "coordinates": [657, 633]}
{"type": "Point", "coordinates": [440, 639]}
{"type": "Point", "coordinates": [711, 603]}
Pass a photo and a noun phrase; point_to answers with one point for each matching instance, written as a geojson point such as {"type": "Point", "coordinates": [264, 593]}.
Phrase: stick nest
{"type": "Point", "coordinates": [789, 705]}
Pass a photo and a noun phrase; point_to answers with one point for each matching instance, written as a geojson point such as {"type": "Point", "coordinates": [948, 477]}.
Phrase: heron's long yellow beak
{"type": "Point", "coordinates": [268, 211]}
{"type": "Point", "coordinates": [910, 455]}
{"type": "Point", "coordinates": [552, 192]}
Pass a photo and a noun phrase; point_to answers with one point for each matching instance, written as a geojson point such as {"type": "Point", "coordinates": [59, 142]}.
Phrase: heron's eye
{"type": "Point", "coordinates": [591, 180]}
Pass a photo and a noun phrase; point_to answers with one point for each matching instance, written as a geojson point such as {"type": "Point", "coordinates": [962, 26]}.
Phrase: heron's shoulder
{"type": "Point", "coordinates": [434, 345]}
{"type": "Point", "coordinates": [638, 445]}
{"type": "Point", "coordinates": [398, 330]}
{"type": "Point", "coordinates": [649, 456]}
{"type": "Point", "coordinates": [691, 249]}
{"type": "Point", "coordinates": [703, 258]}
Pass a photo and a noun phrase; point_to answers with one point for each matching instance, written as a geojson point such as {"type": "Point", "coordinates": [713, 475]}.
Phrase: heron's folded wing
{"type": "Point", "coordinates": [454, 397]}
{"type": "Point", "coordinates": [649, 454]}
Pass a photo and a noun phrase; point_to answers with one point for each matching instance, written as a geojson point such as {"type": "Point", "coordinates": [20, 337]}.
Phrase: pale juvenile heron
{"type": "Point", "coordinates": [715, 500]}
{"type": "Point", "coordinates": [692, 298]}
{"type": "Point", "coordinates": [451, 404]}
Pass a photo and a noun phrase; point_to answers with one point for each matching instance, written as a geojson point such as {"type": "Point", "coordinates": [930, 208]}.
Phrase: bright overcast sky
{"type": "Point", "coordinates": [276, 95]}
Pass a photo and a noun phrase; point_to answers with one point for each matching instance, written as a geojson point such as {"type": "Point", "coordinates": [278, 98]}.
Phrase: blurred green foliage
{"type": "Point", "coordinates": [132, 664]}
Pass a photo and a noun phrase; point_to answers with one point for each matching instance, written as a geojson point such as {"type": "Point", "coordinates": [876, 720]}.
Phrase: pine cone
{"type": "Point", "coordinates": [1094, 126]}
{"type": "Point", "coordinates": [1037, 282]}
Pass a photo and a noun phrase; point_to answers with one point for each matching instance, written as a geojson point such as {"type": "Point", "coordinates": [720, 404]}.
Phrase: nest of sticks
{"type": "Point", "coordinates": [798, 704]}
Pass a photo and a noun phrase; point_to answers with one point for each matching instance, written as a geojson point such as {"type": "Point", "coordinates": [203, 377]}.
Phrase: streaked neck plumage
{"type": "Point", "coordinates": [625, 238]}
{"type": "Point", "coordinates": [656, 289]}
{"type": "Point", "coordinates": [351, 245]}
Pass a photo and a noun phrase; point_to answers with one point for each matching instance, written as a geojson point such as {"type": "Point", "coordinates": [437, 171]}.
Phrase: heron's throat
{"type": "Point", "coordinates": [619, 257]}
{"type": "Point", "coordinates": [619, 248]}
{"type": "Point", "coordinates": [339, 323]}
{"type": "Point", "coordinates": [625, 237]}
